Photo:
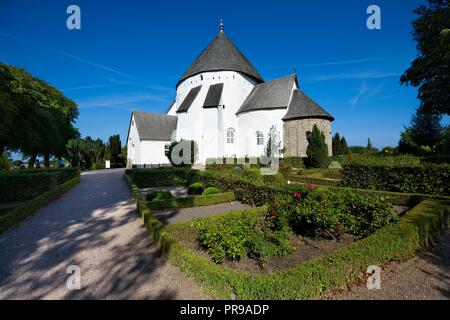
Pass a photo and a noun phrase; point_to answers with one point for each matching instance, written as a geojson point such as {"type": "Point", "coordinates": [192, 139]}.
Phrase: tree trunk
{"type": "Point", "coordinates": [32, 161]}
{"type": "Point", "coordinates": [47, 160]}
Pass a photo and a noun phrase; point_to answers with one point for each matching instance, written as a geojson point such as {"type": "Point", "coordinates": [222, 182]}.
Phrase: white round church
{"type": "Point", "coordinates": [225, 105]}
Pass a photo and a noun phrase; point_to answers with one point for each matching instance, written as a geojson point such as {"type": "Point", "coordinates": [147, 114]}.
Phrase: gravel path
{"type": "Point", "coordinates": [426, 276]}
{"type": "Point", "coordinates": [94, 226]}
{"type": "Point", "coordinates": [186, 214]}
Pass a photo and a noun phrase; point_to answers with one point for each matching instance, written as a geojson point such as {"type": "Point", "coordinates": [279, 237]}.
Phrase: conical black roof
{"type": "Point", "coordinates": [302, 107]}
{"type": "Point", "coordinates": [221, 54]}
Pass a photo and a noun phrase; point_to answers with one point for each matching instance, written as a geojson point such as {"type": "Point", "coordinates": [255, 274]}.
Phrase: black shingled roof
{"type": "Point", "coordinates": [189, 99]}
{"type": "Point", "coordinates": [153, 126]}
{"type": "Point", "coordinates": [213, 96]}
{"type": "Point", "coordinates": [302, 107]}
{"type": "Point", "coordinates": [221, 54]}
{"type": "Point", "coordinates": [274, 94]}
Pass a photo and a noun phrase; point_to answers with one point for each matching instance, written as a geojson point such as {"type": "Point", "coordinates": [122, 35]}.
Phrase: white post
{"type": "Point", "coordinates": [108, 164]}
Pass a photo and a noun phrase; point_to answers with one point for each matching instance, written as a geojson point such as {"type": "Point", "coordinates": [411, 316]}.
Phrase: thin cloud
{"type": "Point", "coordinates": [365, 93]}
{"type": "Point", "coordinates": [68, 55]}
{"type": "Point", "coordinates": [120, 101]}
{"type": "Point", "coordinates": [320, 64]}
{"type": "Point", "coordinates": [362, 90]}
{"type": "Point", "coordinates": [359, 75]}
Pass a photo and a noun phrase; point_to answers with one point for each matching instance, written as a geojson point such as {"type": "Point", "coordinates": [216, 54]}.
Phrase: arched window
{"type": "Point", "coordinates": [259, 138]}
{"type": "Point", "coordinates": [230, 135]}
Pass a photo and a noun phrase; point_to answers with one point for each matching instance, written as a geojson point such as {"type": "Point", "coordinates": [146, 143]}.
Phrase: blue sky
{"type": "Point", "coordinates": [129, 55]}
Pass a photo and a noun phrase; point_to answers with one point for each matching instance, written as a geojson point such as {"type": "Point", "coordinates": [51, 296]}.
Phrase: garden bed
{"type": "Point", "coordinates": [306, 278]}
{"type": "Point", "coordinates": [304, 249]}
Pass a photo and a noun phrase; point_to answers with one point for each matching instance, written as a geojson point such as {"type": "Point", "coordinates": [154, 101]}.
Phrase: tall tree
{"type": "Point", "coordinates": [369, 146]}
{"type": "Point", "coordinates": [114, 148]}
{"type": "Point", "coordinates": [36, 118]}
{"type": "Point", "coordinates": [317, 150]}
{"type": "Point", "coordinates": [336, 144]}
{"type": "Point", "coordinates": [426, 129]}
{"type": "Point", "coordinates": [430, 71]}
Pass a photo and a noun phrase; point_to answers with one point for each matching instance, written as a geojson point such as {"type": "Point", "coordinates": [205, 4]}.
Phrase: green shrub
{"type": "Point", "coordinates": [22, 185]}
{"type": "Point", "coordinates": [295, 162]}
{"type": "Point", "coordinates": [225, 237]}
{"type": "Point", "coordinates": [210, 190]}
{"type": "Point", "coordinates": [196, 188]}
{"type": "Point", "coordinates": [331, 213]}
{"type": "Point", "coordinates": [317, 150]}
{"type": "Point", "coordinates": [425, 178]}
{"type": "Point", "coordinates": [285, 168]}
{"type": "Point", "coordinates": [263, 244]}
{"type": "Point", "coordinates": [158, 195]}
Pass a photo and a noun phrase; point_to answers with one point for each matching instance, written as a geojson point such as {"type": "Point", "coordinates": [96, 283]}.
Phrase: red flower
{"type": "Point", "coordinates": [273, 213]}
{"type": "Point", "coordinates": [297, 195]}
{"type": "Point", "coordinates": [311, 186]}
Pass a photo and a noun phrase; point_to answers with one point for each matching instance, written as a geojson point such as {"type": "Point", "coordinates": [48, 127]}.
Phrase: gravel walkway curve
{"type": "Point", "coordinates": [426, 276]}
{"type": "Point", "coordinates": [185, 214]}
{"type": "Point", "coordinates": [94, 226]}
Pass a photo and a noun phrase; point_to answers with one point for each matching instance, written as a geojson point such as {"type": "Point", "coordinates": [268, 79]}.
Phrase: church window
{"type": "Point", "coordinates": [259, 138]}
{"type": "Point", "coordinates": [201, 77]}
{"type": "Point", "coordinates": [230, 135]}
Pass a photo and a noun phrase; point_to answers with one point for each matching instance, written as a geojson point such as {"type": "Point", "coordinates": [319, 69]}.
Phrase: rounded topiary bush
{"type": "Point", "coordinates": [196, 188]}
{"type": "Point", "coordinates": [158, 195]}
{"type": "Point", "coordinates": [210, 190]}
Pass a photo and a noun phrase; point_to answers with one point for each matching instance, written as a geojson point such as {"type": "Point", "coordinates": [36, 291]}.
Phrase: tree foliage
{"type": "Point", "coordinates": [430, 71]}
{"type": "Point", "coordinates": [317, 150]}
{"type": "Point", "coordinates": [36, 119]}
{"type": "Point", "coordinates": [114, 148]}
{"type": "Point", "coordinates": [339, 145]}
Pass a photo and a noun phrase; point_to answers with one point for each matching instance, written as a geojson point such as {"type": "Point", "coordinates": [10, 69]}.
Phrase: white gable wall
{"type": "Point", "coordinates": [133, 144]}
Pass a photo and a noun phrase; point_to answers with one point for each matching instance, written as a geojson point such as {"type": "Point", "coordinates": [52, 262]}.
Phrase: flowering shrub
{"type": "Point", "coordinates": [331, 213]}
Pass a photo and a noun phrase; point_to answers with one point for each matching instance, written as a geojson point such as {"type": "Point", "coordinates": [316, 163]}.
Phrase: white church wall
{"type": "Point", "coordinates": [201, 124]}
{"type": "Point", "coordinates": [259, 120]}
{"type": "Point", "coordinates": [153, 152]}
{"type": "Point", "coordinates": [133, 144]}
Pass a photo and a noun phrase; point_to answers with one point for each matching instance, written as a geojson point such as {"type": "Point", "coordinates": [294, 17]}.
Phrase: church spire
{"type": "Point", "coordinates": [221, 25]}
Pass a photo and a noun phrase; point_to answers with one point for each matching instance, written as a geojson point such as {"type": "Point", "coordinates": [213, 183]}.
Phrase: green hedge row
{"type": "Point", "coordinates": [22, 210]}
{"type": "Point", "coordinates": [26, 184]}
{"type": "Point", "coordinates": [248, 191]}
{"type": "Point", "coordinates": [395, 242]}
{"type": "Point", "coordinates": [426, 178]}
{"type": "Point", "coordinates": [192, 201]}
{"type": "Point", "coordinates": [160, 177]}
{"type": "Point", "coordinates": [325, 182]}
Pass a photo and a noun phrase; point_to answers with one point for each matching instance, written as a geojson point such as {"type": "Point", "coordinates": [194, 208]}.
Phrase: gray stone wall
{"type": "Point", "coordinates": [294, 135]}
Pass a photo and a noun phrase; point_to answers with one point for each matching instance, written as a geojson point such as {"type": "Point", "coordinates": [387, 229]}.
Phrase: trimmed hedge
{"type": "Point", "coordinates": [161, 177]}
{"type": "Point", "coordinates": [22, 210]}
{"type": "Point", "coordinates": [302, 179]}
{"type": "Point", "coordinates": [395, 242]}
{"type": "Point", "coordinates": [248, 190]}
{"type": "Point", "coordinates": [426, 178]}
{"type": "Point", "coordinates": [192, 201]}
{"type": "Point", "coordinates": [26, 184]}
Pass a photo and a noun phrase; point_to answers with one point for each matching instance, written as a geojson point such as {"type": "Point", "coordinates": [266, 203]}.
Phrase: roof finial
{"type": "Point", "coordinates": [221, 25]}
